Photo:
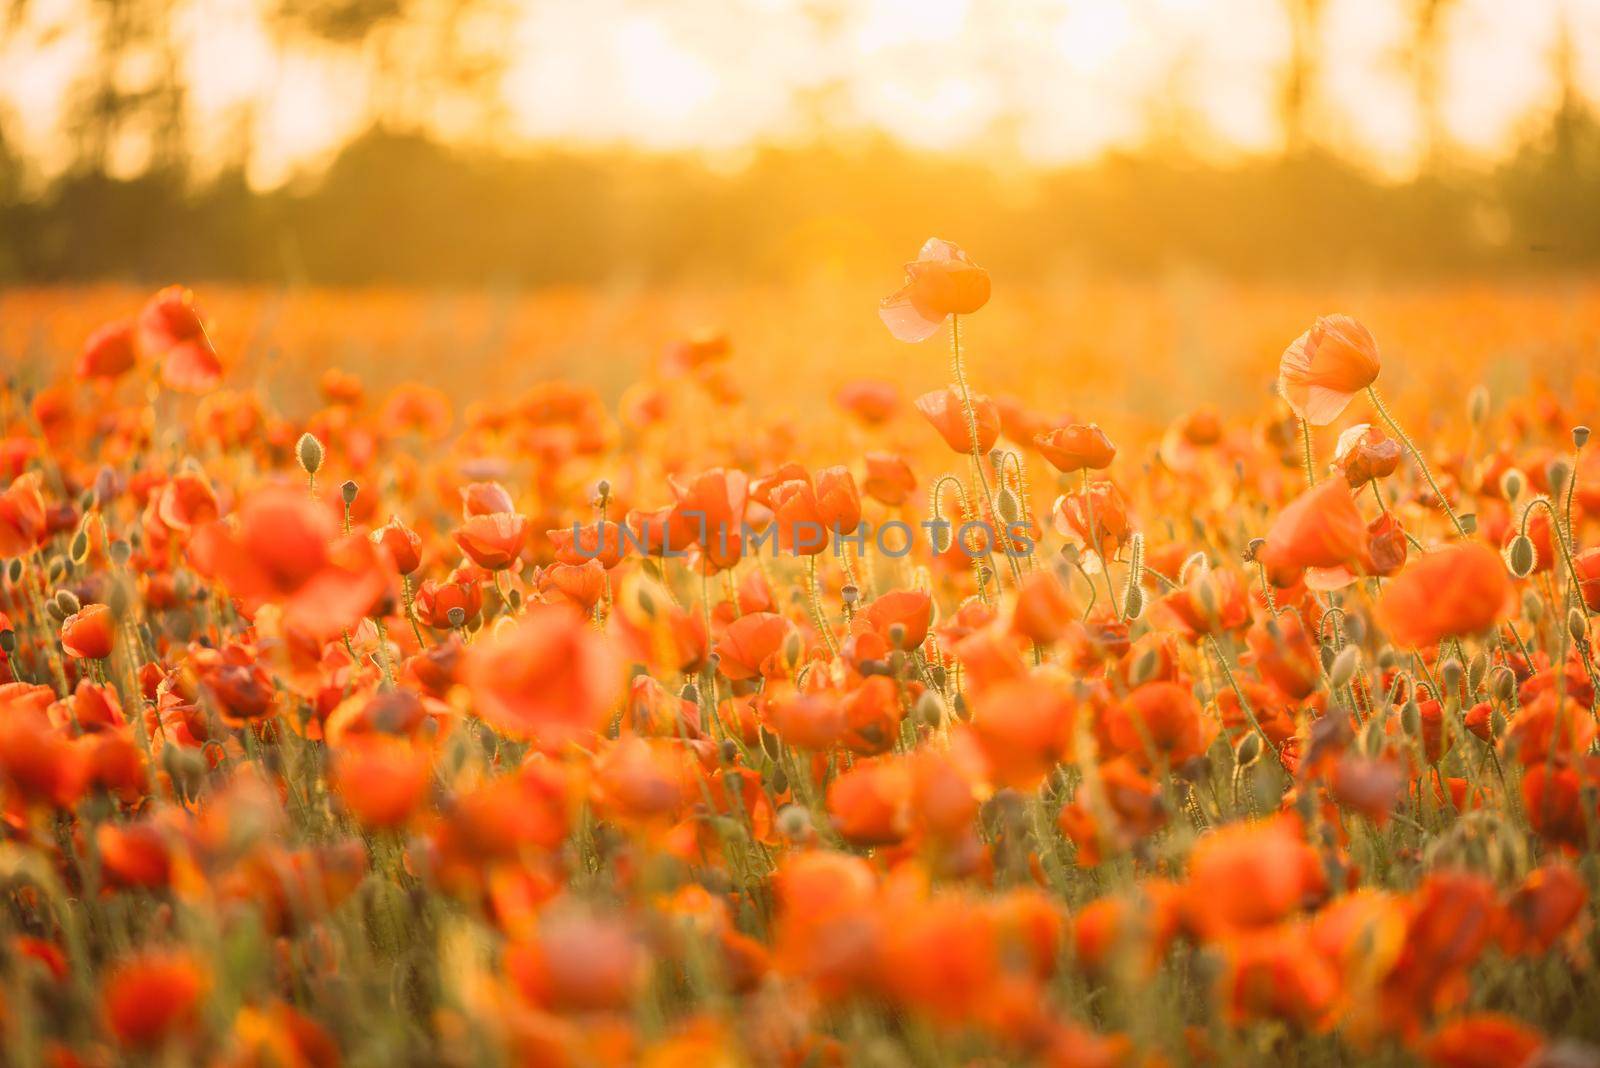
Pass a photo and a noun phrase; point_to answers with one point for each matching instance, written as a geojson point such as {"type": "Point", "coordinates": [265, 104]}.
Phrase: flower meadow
{"type": "Point", "coordinates": [546, 728]}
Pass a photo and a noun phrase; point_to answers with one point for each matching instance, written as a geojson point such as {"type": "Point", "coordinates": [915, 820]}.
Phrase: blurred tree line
{"type": "Point", "coordinates": [401, 205]}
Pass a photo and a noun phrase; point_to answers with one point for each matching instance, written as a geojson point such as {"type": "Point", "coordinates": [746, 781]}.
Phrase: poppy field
{"type": "Point", "coordinates": [927, 674]}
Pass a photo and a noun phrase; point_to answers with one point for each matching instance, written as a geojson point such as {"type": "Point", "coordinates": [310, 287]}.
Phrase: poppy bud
{"type": "Point", "coordinates": [54, 611]}
{"type": "Point", "coordinates": [1343, 669]}
{"type": "Point", "coordinates": [1469, 522]}
{"type": "Point", "coordinates": [780, 781]}
{"type": "Point", "coordinates": [1478, 404]}
{"type": "Point", "coordinates": [1476, 672]}
{"type": "Point", "coordinates": [1577, 625]}
{"type": "Point", "coordinates": [771, 744]}
{"type": "Point", "coordinates": [729, 752]}
{"type": "Point", "coordinates": [1372, 740]}
{"type": "Point", "coordinates": [602, 489]}
{"type": "Point", "coordinates": [79, 551]}
{"type": "Point", "coordinates": [1252, 550]}
{"type": "Point", "coordinates": [793, 650]}
{"type": "Point", "coordinates": [1133, 605]}
{"type": "Point", "coordinates": [930, 708]}
{"type": "Point", "coordinates": [1512, 484]}
{"type": "Point", "coordinates": [1520, 556]}
{"type": "Point", "coordinates": [1504, 686]}
{"type": "Point", "coordinates": [1497, 723]}
{"type": "Point", "coordinates": [310, 453]}
{"type": "Point", "coordinates": [1006, 504]}
{"type": "Point", "coordinates": [1556, 473]}
{"type": "Point", "coordinates": [1451, 674]}
{"type": "Point", "coordinates": [1411, 718]}
{"type": "Point", "coordinates": [1249, 750]}
{"type": "Point", "coordinates": [68, 602]}
{"type": "Point", "coordinates": [8, 641]}
{"type": "Point", "coordinates": [794, 822]}
{"type": "Point", "coordinates": [1580, 436]}
{"type": "Point", "coordinates": [348, 491]}
{"type": "Point", "coordinates": [14, 571]}
{"type": "Point", "coordinates": [942, 535]}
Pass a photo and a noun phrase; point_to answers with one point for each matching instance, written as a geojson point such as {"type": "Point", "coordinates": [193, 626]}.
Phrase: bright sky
{"type": "Point", "coordinates": [1058, 80]}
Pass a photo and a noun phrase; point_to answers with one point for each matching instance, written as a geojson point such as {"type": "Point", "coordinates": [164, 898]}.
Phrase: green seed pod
{"type": "Point", "coordinates": [1249, 750]}
{"type": "Point", "coordinates": [1512, 483]}
{"type": "Point", "coordinates": [349, 491]}
{"type": "Point", "coordinates": [457, 616]}
{"type": "Point", "coordinates": [310, 453]}
{"type": "Point", "coordinates": [68, 602]}
{"type": "Point", "coordinates": [53, 610]}
{"type": "Point", "coordinates": [1519, 556]}
{"type": "Point", "coordinates": [1580, 436]}
{"type": "Point", "coordinates": [1344, 668]}
{"type": "Point", "coordinates": [850, 594]}
{"type": "Point", "coordinates": [79, 550]}
{"type": "Point", "coordinates": [771, 744]}
{"type": "Point", "coordinates": [1577, 625]}
{"type": "Point", "coordinates": [690, 692]}
{"type": "Point", "coordinates": [1469, 522]}
{"type": "Point", "coordinates": [897, 635]}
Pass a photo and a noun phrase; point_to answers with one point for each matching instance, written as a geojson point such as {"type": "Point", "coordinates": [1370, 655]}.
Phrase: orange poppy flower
{"type": "Point", "coordinates": [22, 516]}
{"type": "Point", "coordinates": [1024, 728]}
{"type": "Point", "coordinates": [380, 780]}
{"type": "Point", "coordinates": [1588, 565]}
{"type": "Point", "coordinates": [871, 803]}
{"type": "Point", "coordinates": [1160, 721]}
{"type": "Point", "coordinates": [943, 408]}
{"type": "Point", "coordinates": [135, 854]}
{"type": "Point", "coordinates": [711, 511]}
{"type": "Point", "coordinates": [1364, 453]}
{"type": "Point", "coordinates": [600, 541]}
{"type": "Point", "coordinates": [493, 541]}
{"type": "Point", "coordinates": [1110, 528]}
{"type": "Point", "coordinates": [153, 997]}
{"type": "Point", "coordinates": [403, 545]}
{"type": "Point", "coordinates": [286, 549]}
{"type": "Point", "coordinates": [88, 634]}
{"type": "Point", "coordinates": [1325, 367]}
{"type": "Point", "coordinates": [870, 400]}
{"type": "Point", "coordinates": [801, 529]}
{"type": "Point", "coordinates": [1321, 528]}
{"type": "Point", "coordinates": [1549, 901]}
{"type": "Point", "coordinates": [485, 498]}
{"type": "Point", "coordinates": [550, 679]}
{"type": "Point", "coordinates": [1247, 876]}
{"type": "Point", "coordinates": [754, 646]}
{"type": "Point", "coordinates": [942, 281]}
{"type": "Point", "coordinates": [1460, 590]}
{"type": "Point", "coordinates": [889, 479]}
{"type": "Point", "coordinates": [1482, 1040]}
{"type": "Point", "coordinates": [462, 589]}
{"type": "Point", "coordinates": [170, 329]}
{"type": "Point", "coordinates": [838, 501]}
{"type": "Point", "coordinates": [109, 352]}
{"type": "Point", "coordinates": [1076, 448]}
{"type": "Point", "coordinates": [579, 962]}
{"type": "Point", "coordinates": [909, 610]}
{"type": "Point", "coordinates": [1043, 611]}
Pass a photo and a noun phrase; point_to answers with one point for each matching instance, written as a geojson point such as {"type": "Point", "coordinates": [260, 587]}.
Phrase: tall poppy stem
{"type": "Point", "coordinates": [1416, 454]}
{"type": "Point", "coordinates": [818, 616]}
{"type": "Point", "coordinates": [972, 437]}
{"type": "Point", "coordinates": [1099, 543]}
{"type": "Point", "coordinates": [1307, 455]}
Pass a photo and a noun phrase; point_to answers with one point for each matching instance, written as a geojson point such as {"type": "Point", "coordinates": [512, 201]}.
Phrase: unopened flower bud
{"type": "Point", "coordinates": [1249, 750]}
{"type": "Point", "coordinates": [1411, 718]}
{"type": "Point", "coordinates": [1133, 607]}
{"type": "Point", "coordinates": [1478, 404]}
{"type": "Point", "coordinates": [1469, 522]}
{"type": "Point", "coordinates": [1512, 484]}
{"type": "Point", "coordinates": [1343, 669]}
{"type": "Point", "coordinates": [1503, 685]}
{"type": "Point", "coordinates": [79, 550]}
{"type": "Point", "coordinates": [930, 708]}
{"type": "Point", "coordinates": [1577, 625]}
{"type": "Point", "coordinates": [310, 453]}
{"type": "Point", "coordinates": [68, 602]}
{"type": "Point", "coordinates": [602, 489]}
{"type": "Point", "coordinates": [1451, 674]}
{"type": "Point", "coordinates": [1556, 473]}
{"type": "Point", "coordinates": [1006, 504]}
{"type": "Point", "coordinates": [1580, 436]}
{"type": "Point", "coordinates": [794, 822]}
{"type": "Point", "coordinates": [348, 491]}
{"type": "Point", "coordinates": [8, 641]}
{"type": "Point", "coordinates": [1519, 556]}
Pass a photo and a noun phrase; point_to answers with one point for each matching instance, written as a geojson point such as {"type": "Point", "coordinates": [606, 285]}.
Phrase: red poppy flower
{"type": "Point", "coordinates": [403, 545]}
{"type": "Point", "coordinates": [1325, 367]}
{"type": "Point", "coordinates": [485, 498]}
{"type": "Point", "coordinates": [493, 541]}
{"type": "Point", "coordinates": [380, 780]}
{"type": "Point", "coordinates": [869, 400]}
{"type": "Point", "coordinates": [942, 281]}
{"type": "Point", "coordinates": [89, 634]}
{"type": "Point", "coordinates": [1364, 453]}
{"type": "Point", "coordinates": [889, 479]}
{"type": "Point", "coordinates": [551, 679]}
{"type": "Point", "coordinates": [22, 516]}
{"type": "Point", "coordinates": [286, 549]}
{"type": "Point", "coordinates": [109, 352]}
{"type": "Point", "coordinates": [1482, 1040]}
{"type": "Point", "coordinates": [1077, 447]}
{"type": "Point", "coordinates": [943, 408]}
{"type": "Point", "coordinates": [1462, 589]}
{"type": "Point", "coordinates": [711, 511]}
{"type": "Point", "coordinates": [752, 646]}
{"type": "Point", "coordinates": [153, 997]}
{"type": "Point", "coordinates": [910, 610]}
{"type": "Point", "coordinates": [170, 329]}
{"type": "Point", "coordinates": [1321, 528]}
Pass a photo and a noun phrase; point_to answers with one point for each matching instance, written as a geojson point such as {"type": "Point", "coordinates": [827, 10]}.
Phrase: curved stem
{"type": "Point", "coordinates": [972, 439]}
{"type": "Point", "coordinates": [1416, 454]}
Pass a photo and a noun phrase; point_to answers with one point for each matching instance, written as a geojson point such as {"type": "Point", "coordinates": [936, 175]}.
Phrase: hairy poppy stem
{"type": "Point", "coordinates": [1099, 544]}
{"type": "Point", "coordinates": [1307, 455]}
{"type": "Point", "coordinates": [814, 596]}
{"type": "Point", "coordinates": [1416, 454]}
{"type": "Point", "coordinates": [1244, 702]}
{"type": "Point", "coordinates": [972, 439]}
